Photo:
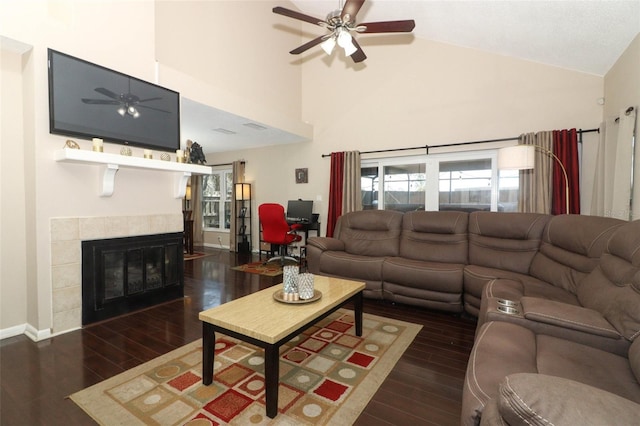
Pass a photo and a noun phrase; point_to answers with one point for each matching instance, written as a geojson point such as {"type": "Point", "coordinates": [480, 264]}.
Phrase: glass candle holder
{"type": "Point", "coordinates": [290, 279]}
{"type": "Point", "coordinates": [305, 286]}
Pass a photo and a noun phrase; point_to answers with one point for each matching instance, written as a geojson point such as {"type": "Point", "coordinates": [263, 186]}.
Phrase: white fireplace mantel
{"type": "Point", "coordinates": [113, 162]}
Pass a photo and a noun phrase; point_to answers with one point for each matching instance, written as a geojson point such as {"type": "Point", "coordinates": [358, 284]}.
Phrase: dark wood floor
{"type": "Point", "coordinates": [425, 387]}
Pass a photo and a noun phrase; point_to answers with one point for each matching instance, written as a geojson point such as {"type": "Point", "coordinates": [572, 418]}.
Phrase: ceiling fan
{"type": "Point", "coordinates": [128, 102]}
{"type": "Point", "coordinates": [341, 23]}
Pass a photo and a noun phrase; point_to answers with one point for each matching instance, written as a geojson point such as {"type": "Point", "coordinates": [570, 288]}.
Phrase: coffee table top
{"type": "Point", "coordinates": [259, 316]}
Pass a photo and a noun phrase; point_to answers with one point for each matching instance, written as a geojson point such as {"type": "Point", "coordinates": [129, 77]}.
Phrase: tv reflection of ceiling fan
{"type": "Point", "coordinates": [128, 102]}
{"type": "Point", "coordinates": [341, 23]}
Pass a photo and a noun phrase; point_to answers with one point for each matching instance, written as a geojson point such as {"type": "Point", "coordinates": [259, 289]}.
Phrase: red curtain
{"type": "Point", "coordinates": [565, 147]}
{"type": "Point", "coordinates": [335, 191]}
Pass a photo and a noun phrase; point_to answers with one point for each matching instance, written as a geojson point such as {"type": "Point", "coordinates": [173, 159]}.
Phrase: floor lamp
{"type": "Point", "coordinates": [521, 157]}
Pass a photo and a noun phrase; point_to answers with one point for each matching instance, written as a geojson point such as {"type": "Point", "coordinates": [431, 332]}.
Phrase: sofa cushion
{"type": "Point", "coordinates": [429, 284]}
{"type": "Point", "coordinates": [584, 364]}
{"type": "Point", "coordinates": [613, 288]}
{"type": "Point", "coordinates": [500, 349]}
{"type": "Point", "coordinates": [542, 400]}
{"type": "Point", "coordinates": [506, 241]}
{"type": "Point", "coordinates": [570, 249]}
{"type": "Point", "coordinates": [351, 265]}
{"type": "Point", "coordinates": [503, 348]}
{"type": "Point", "coordinates": [370, 232]}
{"type": "Point", "coordinates": [435, 236]}
{"type": "Point", "coordinates": [634, 358]}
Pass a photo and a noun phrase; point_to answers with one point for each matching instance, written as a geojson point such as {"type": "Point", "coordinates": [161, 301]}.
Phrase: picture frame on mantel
{"type": "Point", "coordinates": [302, 175]}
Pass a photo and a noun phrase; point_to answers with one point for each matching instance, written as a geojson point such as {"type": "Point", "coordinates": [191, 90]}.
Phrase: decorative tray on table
{"type": "Point", "coordinates": [279, 296]}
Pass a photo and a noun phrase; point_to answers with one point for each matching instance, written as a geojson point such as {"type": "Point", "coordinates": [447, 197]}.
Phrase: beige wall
{"type": "Point", "coordinates": [102, 32]}
{"type": "Point", "coordinates": [233, 59]}
{"type": "Point", "coordinates": [622, 82]}
{"type": "Point", "coordinates": [422, 93]}
{"type": "Point", "coordinates": [13, 229]}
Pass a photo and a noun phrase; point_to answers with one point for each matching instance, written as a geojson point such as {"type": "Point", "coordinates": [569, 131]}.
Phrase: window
{"type": "Point", "coordinates": [464, 185]}
{"type": "Point", "coordinates": [404, 187]}
{"type": "Point", "coordinates": [465, 181]}
{"type": "Point", "coordinates": [216, 200]}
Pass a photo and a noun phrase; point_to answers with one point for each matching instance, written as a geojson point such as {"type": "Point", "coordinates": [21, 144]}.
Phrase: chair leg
{"type": "Point", "coordinates": [282, 256]}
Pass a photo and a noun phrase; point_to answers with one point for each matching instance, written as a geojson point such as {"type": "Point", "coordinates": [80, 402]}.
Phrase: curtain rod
{"type": "Point", "coordinates": [427, 147]}
{"type": "Point", "coordinates": [627, 112]}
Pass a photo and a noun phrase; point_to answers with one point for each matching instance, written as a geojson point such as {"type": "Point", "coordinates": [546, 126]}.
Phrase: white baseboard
{"type": "Point", "coordinates": [17, 330]}
{"type": "Point", "coordinates": [27, 329]}
{"type": "Point", "coordinates": [37, 335]}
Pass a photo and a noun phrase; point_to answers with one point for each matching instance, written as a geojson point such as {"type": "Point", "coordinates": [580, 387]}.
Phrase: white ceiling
{"type": "Point", "coordinates": [218, 131]}
{"type": "Point", "coordinates": [586, 36]}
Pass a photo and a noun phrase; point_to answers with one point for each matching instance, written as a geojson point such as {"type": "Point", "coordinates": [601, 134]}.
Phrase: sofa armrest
{"type": "Point", "coordinates": [538, 399]}
{"type": "Point", "coordinates": [326, 243]}
{"type": "Point", "coordinates": [567, 316]}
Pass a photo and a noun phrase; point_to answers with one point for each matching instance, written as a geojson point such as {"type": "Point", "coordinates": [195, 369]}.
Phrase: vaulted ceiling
{"type": "Point", "coordinates": [585, 36]}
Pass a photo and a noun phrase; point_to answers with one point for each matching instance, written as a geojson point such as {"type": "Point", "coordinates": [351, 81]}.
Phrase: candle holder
{"type": "Point", "coordinates": [290, 282]}
{"type": "Point", "coordinates": [98, 145]}
{"type": "Point", "coordinates": [305, 286]}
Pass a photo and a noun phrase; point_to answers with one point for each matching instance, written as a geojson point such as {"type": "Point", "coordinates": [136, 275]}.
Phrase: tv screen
{"type": "Point", "coordinates": [90, 101]}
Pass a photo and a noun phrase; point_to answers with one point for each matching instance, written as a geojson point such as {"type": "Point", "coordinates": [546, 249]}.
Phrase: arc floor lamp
{"type": "Point", "coordinates": [522, 157]}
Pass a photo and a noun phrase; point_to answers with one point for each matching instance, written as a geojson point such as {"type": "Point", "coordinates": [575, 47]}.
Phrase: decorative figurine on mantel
{"type": "Point", "coordinates": [195, 154]}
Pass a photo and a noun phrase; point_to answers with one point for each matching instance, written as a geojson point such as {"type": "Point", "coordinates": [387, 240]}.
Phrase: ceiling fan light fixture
{"type": "Point", "coordinates": [344, 38]}
{"type": "Point", "coordinates": [122, 111]}
{"type": "Point", "coordinates": [350, 49]}
{"type": "Point", "coordinates": [328, 45]}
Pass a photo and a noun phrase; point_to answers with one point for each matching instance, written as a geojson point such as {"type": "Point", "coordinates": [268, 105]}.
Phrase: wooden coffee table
{"type": "Point", "coordinates": [262, 321]}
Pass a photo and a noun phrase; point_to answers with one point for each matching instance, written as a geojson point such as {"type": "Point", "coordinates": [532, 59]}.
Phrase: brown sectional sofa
{"type": "Point", "coordinates": [415, 258]}
{"type": "Point", "coordinates": [557, 300]}
{"type": "Point", "coordinates": [544, 363]}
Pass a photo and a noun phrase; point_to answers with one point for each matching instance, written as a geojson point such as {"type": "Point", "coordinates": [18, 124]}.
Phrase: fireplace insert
{"type": "Point", "coordinates": [121, 275]}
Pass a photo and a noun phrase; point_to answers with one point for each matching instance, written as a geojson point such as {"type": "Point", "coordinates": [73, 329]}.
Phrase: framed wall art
{"type": "Point", "coordinates": [302, 176]}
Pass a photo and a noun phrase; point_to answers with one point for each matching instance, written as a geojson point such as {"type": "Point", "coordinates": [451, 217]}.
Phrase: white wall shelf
{"type": "Point", "coordinates": [113, 162]}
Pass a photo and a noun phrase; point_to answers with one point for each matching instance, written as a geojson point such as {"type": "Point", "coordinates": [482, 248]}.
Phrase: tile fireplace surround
{"type": "Point", "coordinates": [67, 235]}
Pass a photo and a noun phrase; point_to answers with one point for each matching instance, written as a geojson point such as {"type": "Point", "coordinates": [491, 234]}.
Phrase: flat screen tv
{"type": "Point", "coordinates": [90, 101]}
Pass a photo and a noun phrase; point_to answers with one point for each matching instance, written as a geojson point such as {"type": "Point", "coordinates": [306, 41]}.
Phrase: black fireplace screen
{"type": "Point", "coordinates": [121, 275]}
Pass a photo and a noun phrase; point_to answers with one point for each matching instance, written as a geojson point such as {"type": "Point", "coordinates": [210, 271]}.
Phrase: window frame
{"type": "Point", "coordinates": [222, 173]}
{"type": "Point", "coordinates": [432, 173]}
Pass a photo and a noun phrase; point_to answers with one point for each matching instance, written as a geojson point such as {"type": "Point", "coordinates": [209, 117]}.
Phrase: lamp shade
{"type": "Point", "coordinates": [243, 191]}
{"type": "Point", "coordinates": [519, 157]}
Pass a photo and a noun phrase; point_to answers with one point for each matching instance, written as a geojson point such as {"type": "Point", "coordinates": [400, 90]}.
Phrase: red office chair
{"type": "Point", "coordinates": [276, 230]}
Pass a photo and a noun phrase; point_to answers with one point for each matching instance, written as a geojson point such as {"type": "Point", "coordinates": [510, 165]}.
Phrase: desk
{"type": "Point", "coordinates": [271, 249]}
{"type": "Point", "coordinates": [306, 227]}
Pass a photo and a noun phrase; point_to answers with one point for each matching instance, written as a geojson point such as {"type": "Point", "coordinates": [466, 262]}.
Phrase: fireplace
{"type": "Point", "coordinates": [120, 275]}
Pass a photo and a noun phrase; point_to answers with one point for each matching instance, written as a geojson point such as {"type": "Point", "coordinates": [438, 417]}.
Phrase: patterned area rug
{"type": "Point", "coordinates": [327, 376]}
{"type": "Point", "coordinates": [195, 255]}
{"type": "Point", "coordinates": [270, 269]}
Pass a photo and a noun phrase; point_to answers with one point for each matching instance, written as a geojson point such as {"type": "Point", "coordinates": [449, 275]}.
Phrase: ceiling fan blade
{"type": "Point", "coordinates": [155, 109]}
{"type": "Point", "coordinates": [358, 55]}
{"type": "Point", "coordinates": [107, 92]}
{"type": "Point", "coordinates": [296, 15]}
{"type": "Point", "coordinates": [308, 45]}
{"type": "Point", "coordinates": [388, 26]}
{"type": "Point", "coordinates": [351, 8]}
{"type": "Point", "coordinates": [149, 99]}
{"type": "Point", "coordinates": [99, 102]}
